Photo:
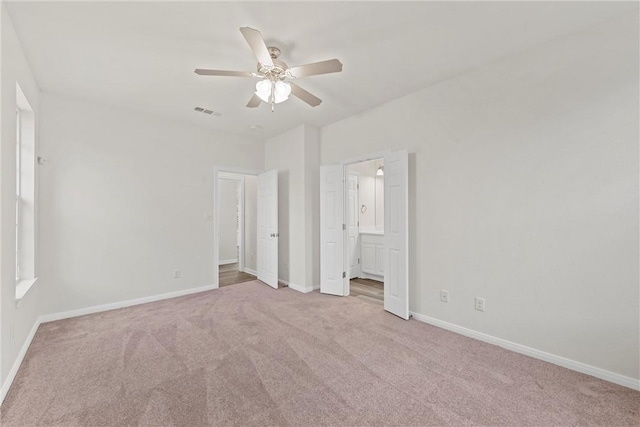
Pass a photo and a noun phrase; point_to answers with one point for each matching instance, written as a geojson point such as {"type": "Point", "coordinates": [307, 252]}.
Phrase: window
{"type": "Point", "coordinates": [25, 230]}
{"type": "Point", "coordinates": [18, 173]}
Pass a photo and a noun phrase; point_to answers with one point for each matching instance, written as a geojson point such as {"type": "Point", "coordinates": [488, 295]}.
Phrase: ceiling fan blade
{"type": "Point", "coordinates": [254, 101]}
{"type": "Point", "coordinates": [257, 45]}
{"type": "Point", "coordinates": [310, 99]}
{"type": "Point", "coordinates": [223, 73]}
{"type": "Point", "coordinates": [322, 67]}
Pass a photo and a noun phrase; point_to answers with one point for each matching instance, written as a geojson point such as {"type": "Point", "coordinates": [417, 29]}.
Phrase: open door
{"type": "Point", "coordinates": [332, 268]}
{"type": "Point", "coordinates": [396, 233]}
{"type": "Point", "coordinates": [267, 256]}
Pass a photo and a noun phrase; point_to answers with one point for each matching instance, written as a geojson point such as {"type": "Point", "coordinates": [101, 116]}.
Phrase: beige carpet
{"type": "Point", "coordinates": [251, 355]}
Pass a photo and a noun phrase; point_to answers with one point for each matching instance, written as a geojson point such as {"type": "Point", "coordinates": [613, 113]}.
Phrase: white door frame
{"type": "Point", "coordinates": [218, 173]}
{"type": "Point", "coordinates": [345, 166]}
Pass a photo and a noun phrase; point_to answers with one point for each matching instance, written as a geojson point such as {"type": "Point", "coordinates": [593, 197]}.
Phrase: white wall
{"type": "Point", "coordinates": [524, 191]}
{"type": "Point", "coordinates": [250, 222]}
{"type": "Point", "coordinates": [16, 321]}
{"type": "Point", "coordinates": [124, 197]}
{"type": "Point", "coordinates": [312, 206]}
{"type": "Point", "coordinates": [228, 220]}
{"type": "Point", "coordinates": [295, 154]}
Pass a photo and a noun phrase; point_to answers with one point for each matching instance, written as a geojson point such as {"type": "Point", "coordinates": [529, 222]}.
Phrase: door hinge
{"type": "Point", "coordinates": [344, 226]}
{"type": "Point", "coordinates": [358, 186]}
{"type": "Point", "coordinates": [344, 274]}
{"type": "Point", "coordinates": [358, 260]}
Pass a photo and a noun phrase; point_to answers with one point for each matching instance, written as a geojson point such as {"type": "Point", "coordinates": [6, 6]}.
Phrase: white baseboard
{"type": "Point", "coordinates": [371, 277]}
{"type": "Point", "coordinates": [250, 271]}
{"type": "Point", "coordinates": [532, 352]}
{"type": "Point", "coordinates": [303, 289]}
{"type": "Point", "coordinates": [128, 303]}
{"type": "Point", "coordinates": [16, 365]}
{"type": "Point", "coordinates": [227, 261]}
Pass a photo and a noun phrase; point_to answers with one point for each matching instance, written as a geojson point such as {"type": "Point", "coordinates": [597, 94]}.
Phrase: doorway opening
{"type": "Point", "coordinates": [251, 228]}
{"type": "Point", "coordinates": [365, 230]}
{"type": "Point", "coordinates": [236, 220]}
{"type": "Point", "coordinates": [393, 253]}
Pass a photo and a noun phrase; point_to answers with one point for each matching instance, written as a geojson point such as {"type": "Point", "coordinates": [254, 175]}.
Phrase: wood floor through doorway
{"type": "Point", "coordinates": [230, 275]}
{"type": "Point", "coordinates": [367, 290]}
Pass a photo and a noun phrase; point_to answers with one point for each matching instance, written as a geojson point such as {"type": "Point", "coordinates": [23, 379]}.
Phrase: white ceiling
{"type": "Point", "coordinates": [141, 55]}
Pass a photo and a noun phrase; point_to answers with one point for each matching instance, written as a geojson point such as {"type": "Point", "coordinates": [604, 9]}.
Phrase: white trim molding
{"type": "Point", "coordinates": [128, 303]}
{"type": "Point", "coordinates": [22, 288]}
{"type": "Point", "coordinates": [250, 271]}
{"type": "Point", "coordinates": [299, 288]}
{"type": "Point", "coordinates": [16, 365]}
{"type": "Point", "coordinates": [227, 261]}
{"type": "Point", "coordinates": [532, 352]}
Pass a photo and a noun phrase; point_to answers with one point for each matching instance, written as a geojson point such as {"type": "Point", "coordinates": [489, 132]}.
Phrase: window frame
{"type": "Point", "coordinates": [25, 196]}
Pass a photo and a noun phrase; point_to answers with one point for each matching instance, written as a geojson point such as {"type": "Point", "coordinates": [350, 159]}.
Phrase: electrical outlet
{"type": "Point", "coordinates": [479, 304]}
{"type": "Point", "coordinates": [176, 274]}
{"type": "Point", "coordinates": [444, 295]}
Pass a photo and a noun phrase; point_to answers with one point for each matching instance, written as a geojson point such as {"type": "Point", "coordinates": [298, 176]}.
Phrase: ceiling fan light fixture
{"type": "Point", "coordinates": [281, 91]}
{"type": "Point", "coordinates": [263, 90]}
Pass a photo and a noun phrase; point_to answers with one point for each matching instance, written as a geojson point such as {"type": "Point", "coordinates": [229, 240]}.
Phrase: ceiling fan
{"type": "Point", "coordinates": [275, 76]}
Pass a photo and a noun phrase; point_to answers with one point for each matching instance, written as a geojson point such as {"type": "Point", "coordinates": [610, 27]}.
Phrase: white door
{"type": "Point", "coordinates": [332, 269]}
{"type": "Point", "coordinates": [267, 256]}
{"type": "Point", "coordinates": [353, 224]}
{"type": "Point", "coordinates": [396, 233]}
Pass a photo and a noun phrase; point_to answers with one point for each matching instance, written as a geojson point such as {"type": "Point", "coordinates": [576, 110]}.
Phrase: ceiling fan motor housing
{"type": "Point", "coordinates": [274, 52]}
{"type": "Point", "coordinates": [276, 72]}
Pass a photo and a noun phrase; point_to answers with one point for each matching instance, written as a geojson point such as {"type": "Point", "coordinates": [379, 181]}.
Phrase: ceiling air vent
{"type": "Point", "coordinates": [207, 111]}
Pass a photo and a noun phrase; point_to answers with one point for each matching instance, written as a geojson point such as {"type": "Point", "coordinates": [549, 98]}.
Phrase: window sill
{"type": "Point", "coordinates": [22, 287]}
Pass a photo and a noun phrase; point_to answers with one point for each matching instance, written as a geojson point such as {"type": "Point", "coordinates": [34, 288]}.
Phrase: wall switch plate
{"type": "Point", "coordinates": [444, 295]}
{"type": "Point", "coordinates": [479, 304]}
{"type": "Point", "coordinates": [176, 274]}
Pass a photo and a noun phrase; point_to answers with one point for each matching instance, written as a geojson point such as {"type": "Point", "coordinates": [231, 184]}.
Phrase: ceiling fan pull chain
{"type": "Point", "coordinates": [273, 92]}
{"type": "Point", "coordinates": [273, 96]}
